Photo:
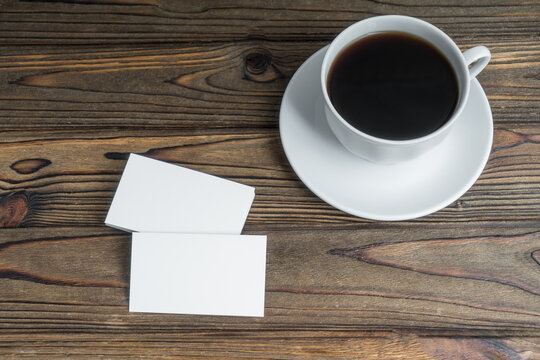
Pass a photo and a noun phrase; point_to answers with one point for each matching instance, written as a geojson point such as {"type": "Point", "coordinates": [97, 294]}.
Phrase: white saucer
{"type": "Point", "coordinates": [381, 192]}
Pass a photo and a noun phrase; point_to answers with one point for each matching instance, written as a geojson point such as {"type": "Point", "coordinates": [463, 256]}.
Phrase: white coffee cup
{"type": "Point", "coordinates": [386, 151]}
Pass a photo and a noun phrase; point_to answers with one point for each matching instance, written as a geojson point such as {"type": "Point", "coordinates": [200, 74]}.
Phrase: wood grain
{"type": "Point", "coordinates": [152, 21]}
{"type": "Point", "coordinates": [203, 86]}
{"type": "Point", "coordinates": [188, 87]}
{"type": "Point", "coordinates": [459, 258]}
{"type": "Point", "coordinates": [205, 344]}
{"type": "Point", "coordinates": [309, 284]}
{"type": "Point", "coordinates": [64, 292]}
{"type": "Point", "coordinates": [63, 194]}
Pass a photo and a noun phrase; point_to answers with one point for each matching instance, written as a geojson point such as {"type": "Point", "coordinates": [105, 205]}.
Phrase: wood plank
{"type": "Point", "coordinates": [69, 178]}
{"type": "Point", "coordinates": [202, 86]}
{"type": "Point", "coordinates": [430, 279]}
{"type": "Point", "coordinates": [213, 86]}
{"type": "Point", "coordinates": [165, 21]}
{"type": "Point", "coordinates": [284, 344]}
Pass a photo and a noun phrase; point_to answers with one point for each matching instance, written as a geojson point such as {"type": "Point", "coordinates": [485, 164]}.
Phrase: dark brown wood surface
{"type": "Point", "coordinates": [199, 84]}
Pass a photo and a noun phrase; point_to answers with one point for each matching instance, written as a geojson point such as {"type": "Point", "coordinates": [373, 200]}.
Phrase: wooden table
{"type": "Point", "coordinates": [199, 84]}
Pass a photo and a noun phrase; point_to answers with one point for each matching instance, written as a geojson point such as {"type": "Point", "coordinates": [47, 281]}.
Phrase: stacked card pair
{"type": "Point", "coordinates": [187, 254]}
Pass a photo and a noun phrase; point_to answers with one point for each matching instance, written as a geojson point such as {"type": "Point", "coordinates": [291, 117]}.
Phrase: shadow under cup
{"type": "Point", "coordinates": [403, 129]}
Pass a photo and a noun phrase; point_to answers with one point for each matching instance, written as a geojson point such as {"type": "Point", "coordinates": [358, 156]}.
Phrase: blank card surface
{"type": "Point", "coordinates": [198, 274]}
{"type": "Point", "coordinates": [155, 196]}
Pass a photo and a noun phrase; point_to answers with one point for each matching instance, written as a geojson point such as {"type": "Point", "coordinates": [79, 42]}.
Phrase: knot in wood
{"type": "Point", "coordinates": [29, 166]}
{"type": "Point", "coordinates": [13, 209]}
{"type": "Point", "coordinates": [257, 62]}
{"type": "Point", "coordinates": [259, 67]}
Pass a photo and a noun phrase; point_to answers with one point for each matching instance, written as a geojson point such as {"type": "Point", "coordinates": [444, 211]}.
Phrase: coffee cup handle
{"type": "Point", "coordinates": [477, 58]}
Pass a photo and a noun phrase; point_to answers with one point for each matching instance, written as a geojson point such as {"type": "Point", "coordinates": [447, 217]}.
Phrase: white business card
{"type": "Point", "coordinates": [203, 274]}
{"type": "Point", "coordinates": [155, 196]}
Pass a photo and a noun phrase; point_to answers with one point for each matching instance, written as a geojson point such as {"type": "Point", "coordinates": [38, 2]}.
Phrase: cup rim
{"type": "Point", "coordinates": [443, 128]}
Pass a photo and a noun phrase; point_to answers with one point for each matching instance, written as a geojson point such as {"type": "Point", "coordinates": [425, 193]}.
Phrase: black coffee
{"type": "Point", "coordinates": [393, 86]}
